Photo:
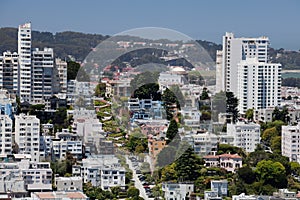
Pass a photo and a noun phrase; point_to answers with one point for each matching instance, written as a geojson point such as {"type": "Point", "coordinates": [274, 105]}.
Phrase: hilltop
{"type": "Point", "coordinates": [78, 45]}
{"type": "Point", "coordinates": [64, 43]}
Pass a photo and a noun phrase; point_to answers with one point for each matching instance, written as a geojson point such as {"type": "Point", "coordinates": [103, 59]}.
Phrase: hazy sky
{"type": "Point", "coordinates": [199, 19]}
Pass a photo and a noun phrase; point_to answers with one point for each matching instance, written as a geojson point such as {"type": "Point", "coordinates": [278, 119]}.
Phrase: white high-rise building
{"type": "Point", "coordinates": [61, 73]}
{"type": "Point", "coordinates": [245, 136]}
{"type": "Point", "coordinates": [234, 50]}
{"type": "Point", "coordinates": [243, 68]}
{"type": "Point", "coordinates": [259, 84]}
{"type": "Point", "coordinates": [6, 134]}
{"type": "Point", "coordinates": [27, 135]}
{"type": "Point", "coordinates": [24, 51]}
{"type": "Point", "coordinates": [220, 83]}
{"type": "Point", "coordinates": [290, 141]}
{"type": "Point", "coordinates": [42, 75]}
{"type": "Point", "coordinates": [9, 64]}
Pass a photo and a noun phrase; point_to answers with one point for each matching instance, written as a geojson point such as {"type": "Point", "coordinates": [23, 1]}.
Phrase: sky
{"type": "Point", "coordinates": [199, 19]}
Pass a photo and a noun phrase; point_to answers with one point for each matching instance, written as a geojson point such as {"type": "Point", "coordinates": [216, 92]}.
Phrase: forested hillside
{"type": "Point", "coordinates": [78, 45]}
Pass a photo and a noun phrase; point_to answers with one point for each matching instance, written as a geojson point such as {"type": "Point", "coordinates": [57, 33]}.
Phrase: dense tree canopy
{"type": "Point", "coordinates": [187, 165]}
{"type": "Point", "coordinates": [282, 115]}
{"type": "Point", "coordinates": [204, 95]}
{"type": "Point", "coordinates": [75, 71]}
{"type": "Point", "coordinates": [143, 79]}
{"type": "Point", "coordinates": [148, 91]}
{"type": "Point", "coordinates": [249, 114]}
{"type": "Point", "coordinates": [100, 90]}
{"type": "Point", "coordinates": [246, 174]}
{"type": "Point", "coordinates": [137, 143]}
{"type": "Point", "coordinates": [268, 134]}
{"type": "Point", "coordinates": [231, 105]}
{"type": "Point", "coordinates": [271, 172]}
{"type": "Point", "coordinates": [72, 70]}
{"type": "Point", "coordinates": [172, 130]}
{"type": "Point", "coordinates": [169, 99]}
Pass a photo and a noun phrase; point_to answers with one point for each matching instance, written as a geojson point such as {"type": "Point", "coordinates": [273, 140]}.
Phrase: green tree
{"type": "Point", "coordinates": [137, 142]}
{"type": "Point", "coordinates": [148, 91]}
{"type": "Point", "coordinates": [295, 168]}
{"type": "Point", "coordinates": [70, 161]}
{"type": "Point", "coordinates": [246, 174]}
{"type": "Point", "coordinates": [168, 173]}
{"type": "Point", "coordinates": [169, 99]}
{"type": "Point", "coordinates": [205, 115]}
{"type": "Point", "coordinates": [231, 105]}
{"type": "Point", "coordinates": [115, 190]}
{"type": "Point", "coordinates": [282, 115]}
{"type": "Point", "coordinates": [277, 124]}
{"type": "Point", "coordinates": [157, 192]}
{"type": "Point", "coordinates": [133, 192]}
{"type": "Point", "coordinates": [272, 173]}
{"type": "Point", "coordinates": [35, 109]}
{"type": "Point", "coordinates": [60, 118]}
{"type": "Point", "coordinates": [172, 130]}
{"type": "Point", "coordinates": [187, 165]}
{"type": "Point", "coordinates": [139, 148]}
{"type": "Point", "coordinates": [276, 144]}
{"type": "Point", "coordinates": [18, 102]}
{"type": "Point", "coordinates": [75, 71]}
{"type": "Point", "coordinates": [283, 160]}
{"type": "Point", "coordinates": [250, 114]}
{"type": "Point", "coordinates": [204, 94]}
{"type": "Point", "coordinates": [255, 157]}
{"type": "Point", "coordinates": [100, 90]}
{"type": "Point", "coordinates": [72, 70]}
{"type": "Point", "coordinates": [268, 134]}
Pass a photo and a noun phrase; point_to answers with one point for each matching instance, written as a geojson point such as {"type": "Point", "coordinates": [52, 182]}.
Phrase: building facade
{"type": "Point", "coordinates": [68, 183]}
{"type": "Point", "coordinates": [220, 187]}
{"type": "Point", "coordinates": [202, 143]}
{"type": "Point", "coordinates": [61, 73]}
{"type": "Point", "coordinates": [5, 134]}
{"type": "Point", "coordinates": [42, 76]}
{"type": "Point", "coordinates": [245, 136]}
{"type": "Point", "coordinates": [234, 50]}
{"type": "Point", "coordinates": [9, 71]}
{"type": "Point", "coordinates": [24, 51]}
{"type": "Point", "coordinates": [38, 176]}
{"type": "Point", "coordinates": [258, 85]}
{"type": "Point", "coordinates": [27, 135]}
{"type": "Point", "coordinates": [229, 162]}
{"type": "Point", "coordinates": [104, 171]}
{"type": "Point", "coordinates": [290, 141]}
{"type": "Point", "coordinates": [180, 191]}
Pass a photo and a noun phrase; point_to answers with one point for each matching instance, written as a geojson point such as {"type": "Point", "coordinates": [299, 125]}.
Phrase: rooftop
{"type": "Point", "coordinates": [60, 195]}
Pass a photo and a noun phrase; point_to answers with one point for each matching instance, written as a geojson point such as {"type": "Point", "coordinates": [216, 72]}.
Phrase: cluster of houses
{"type": "Point", "coordinates": [218, 191]}
{"type": "Point", "coordinates": [27, 146]}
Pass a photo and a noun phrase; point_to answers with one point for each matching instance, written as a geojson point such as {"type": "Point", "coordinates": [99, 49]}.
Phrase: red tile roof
{"type": "Point", "coordinates": [232, 156]}
{"type": "Point", "coordinates": [229, 156]}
